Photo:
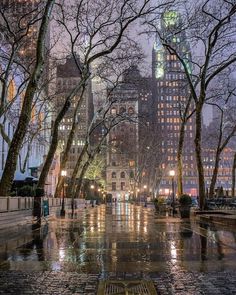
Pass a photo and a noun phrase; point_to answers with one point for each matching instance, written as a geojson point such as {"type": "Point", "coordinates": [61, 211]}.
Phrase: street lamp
{"type": "Point", "coordinates": [63, 174]}
{"type": "Point", "coordinates": [172, 175]}
{"type": "Point", "coordinates": [137, 193]}
{"type": "Point", "coordinates": [92, 189]}
{"type": "Point", "coordinates": [145, 197]}
{"type": "Point", "coordinates": [99, 190]}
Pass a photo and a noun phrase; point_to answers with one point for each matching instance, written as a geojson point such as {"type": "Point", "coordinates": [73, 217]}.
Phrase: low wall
{"type": "Point", "coordinates": [18, 210]}
{"type": "Point", "coordinates": [8, 204]}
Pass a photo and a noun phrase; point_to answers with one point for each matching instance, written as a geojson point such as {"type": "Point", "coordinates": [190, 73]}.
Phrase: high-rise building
{"type": "Point", "coordinates": [99, 89]}
{"type": "Point", "coordinates": [68, 76]}
{"type": "Point", "coordinates": [224, 177]}
{"type": "Point", "coordinates": [23, 17]}
{"type": "Point", "coordinates": [123, 142]}
{"type": "Point", "coordinates": [170, 94]}
{"type": "Point", "coordinates": [127, 170]}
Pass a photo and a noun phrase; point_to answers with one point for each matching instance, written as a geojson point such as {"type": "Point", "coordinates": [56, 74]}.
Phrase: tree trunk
{"type": "Point", "coordinates": [83, 171]}
{"type": "Point", "coordinates": [69, 144]}
{"type": "Point", "coordinates": [54, 142]}
{"type": "Point", "coordinates": [198, 151]}
{"type": "Point", "coordinates": [72, 183]}
{"type": "Point", "coordinates": [24, 119]}
{"type": "Point", "coordinates": [214, 175]}
{"type": "Point", "coordinates": [59, 187]}
{"type": "Point", "coordinates": [180, 159]}
{"type": "Point", "coordinates": [53, 145]}
{"type": "Point", "coordinates": [233, 176]}
{"type": "Point", "coordinates": [78, 187]}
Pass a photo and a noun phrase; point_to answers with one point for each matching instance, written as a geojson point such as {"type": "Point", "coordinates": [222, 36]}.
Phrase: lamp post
{"type": "Point", "coordinates": [92, 189]}
{"type": "Point", "coordinates": [172, 175]}
{"type": "Point", "coordinates": [63, 174]}
{"type": "Point", "coordinates": [137, 193]}
{"type": "Point", "coordinates": [145, 197]}
{"type": "Point", "coordinates": [99, 190]}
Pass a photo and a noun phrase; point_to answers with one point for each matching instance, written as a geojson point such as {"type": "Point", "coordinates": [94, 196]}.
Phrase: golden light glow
{"type": "Point", "coordinates": [172, 173]}
{"type": "Point", "coordinates": [63, 172]}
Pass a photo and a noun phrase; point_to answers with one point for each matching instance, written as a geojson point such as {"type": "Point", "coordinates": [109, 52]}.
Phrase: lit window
{"type": "Point", "coordinates": [113, 111]}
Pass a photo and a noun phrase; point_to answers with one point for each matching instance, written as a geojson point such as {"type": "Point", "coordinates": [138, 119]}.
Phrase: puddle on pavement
{"type": "Point", "coordinates": [120, 238]}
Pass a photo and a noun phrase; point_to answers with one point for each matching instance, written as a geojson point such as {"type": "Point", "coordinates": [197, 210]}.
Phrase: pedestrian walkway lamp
{"type": "Point", "coordinates": [92, 187]}
{"type": "Point", "coordinates": [137, 195]}
{"type": "Point", "coordinates": [172, 175]}
{"type": "Point", "coordinates": [145, 197]}
{"type": "Point", "coordinates": [63, 174]}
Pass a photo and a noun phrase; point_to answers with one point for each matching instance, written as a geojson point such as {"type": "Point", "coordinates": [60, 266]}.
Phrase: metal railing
{"type": "Point", "coordinates": [8, 204]}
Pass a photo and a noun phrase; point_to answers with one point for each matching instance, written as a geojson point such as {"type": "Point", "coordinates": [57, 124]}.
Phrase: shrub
{"type": "Point", "coordinates": [159, 201]}
{"type": "Point", "coordinates": [185, 200]}
{"type": "Point", "coordinates": [26, 191]}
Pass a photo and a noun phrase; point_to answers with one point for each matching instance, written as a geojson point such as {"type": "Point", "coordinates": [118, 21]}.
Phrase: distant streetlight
{"type": "Point", "coordinates": [172, 175]}
{"type": "Point", "coordinates": [145, 197]}
{"type": "Point", "coordinates": [92, 187]}
{"type": "Point", "coordinates": [99, 191]}
{"type": "Point", "coordinates": [63, 174]}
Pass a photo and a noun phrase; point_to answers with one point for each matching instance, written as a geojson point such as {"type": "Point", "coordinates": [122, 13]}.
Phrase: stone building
{"type": "Point", "coordinates": [125, 173]}
{"type": "Point", "coordinates": [68, 76]}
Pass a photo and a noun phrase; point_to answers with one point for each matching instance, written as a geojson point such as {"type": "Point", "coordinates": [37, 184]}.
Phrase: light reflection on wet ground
{"type": "Point", "coordinates": [121, 238]}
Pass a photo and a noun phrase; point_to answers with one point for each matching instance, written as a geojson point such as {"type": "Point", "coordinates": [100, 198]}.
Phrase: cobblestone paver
{"type": "Point", "coordinates": [123, 242]}
{"type": "Point", "coordinates": [47, 283]}
{"type": "Point", "coordinates": [57, 283]}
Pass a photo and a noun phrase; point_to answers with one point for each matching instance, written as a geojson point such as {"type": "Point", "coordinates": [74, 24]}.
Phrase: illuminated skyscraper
{"type": "Point", "coordinates": [170, 94]}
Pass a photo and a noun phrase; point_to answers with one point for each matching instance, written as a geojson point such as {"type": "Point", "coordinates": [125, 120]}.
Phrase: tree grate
{"type": "Point", "coordinates": [138, 287]}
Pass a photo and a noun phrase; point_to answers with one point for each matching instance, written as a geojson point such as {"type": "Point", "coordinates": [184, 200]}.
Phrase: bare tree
{"type": "Point", "coordinates": [24, 119]}
{"type": "Point", "coordinates": [222, 100]}
{"type": "Point", "coordinates": [95, 30]}
{"type": "Point", "coordinates": [108, 71]}
{"type": "Point", "coordinates": [233, 176]}
{"type": "Point", "coordinates": [211, 37]}
{"type": "Point", "coordinates": [89, 152]}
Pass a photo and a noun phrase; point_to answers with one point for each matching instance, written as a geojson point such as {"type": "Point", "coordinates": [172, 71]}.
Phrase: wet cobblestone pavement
{"type": "Point", "coordinates": [70, 256]}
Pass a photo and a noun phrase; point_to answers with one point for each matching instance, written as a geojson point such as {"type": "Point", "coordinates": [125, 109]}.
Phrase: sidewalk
{"type": "Point", "coordinates": [224, 217]}
{"type": "Point", "coordinates": [72, 283]}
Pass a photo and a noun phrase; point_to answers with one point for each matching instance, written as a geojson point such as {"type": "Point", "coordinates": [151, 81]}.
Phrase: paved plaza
{"type": "Point", "coordinates": [118, 242]}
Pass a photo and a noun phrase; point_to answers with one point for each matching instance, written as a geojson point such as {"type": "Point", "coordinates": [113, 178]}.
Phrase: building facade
{"type": "Point", "coordinates": [128, 156]}
{"type": "Point", "coordinates": [170, 95]}
{"type": "Point", "coordinates": [122, 142]}
{"type": "Point", "coordinates": [68, 76]}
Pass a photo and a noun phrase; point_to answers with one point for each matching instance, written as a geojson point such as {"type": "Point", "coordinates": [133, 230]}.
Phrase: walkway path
{"type": "Point", "coordinates": [124, 241]}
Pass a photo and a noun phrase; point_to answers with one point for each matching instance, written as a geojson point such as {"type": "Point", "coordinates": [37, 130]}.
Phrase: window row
{"type": "Point", "coordinates": [114, 187]}
{"type": "Point", "coordinates": [114, 174]}
{"type": "Point", "coordinates": [122, 110]}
